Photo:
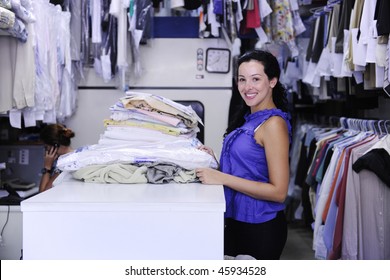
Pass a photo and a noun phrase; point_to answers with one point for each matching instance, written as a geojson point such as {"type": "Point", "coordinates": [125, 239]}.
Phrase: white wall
{"type": "Point", "coordinates": [92, 108]}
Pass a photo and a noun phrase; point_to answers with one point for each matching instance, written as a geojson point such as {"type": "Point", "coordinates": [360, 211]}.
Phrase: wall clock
{"type": "Point", "coordinates": [217, 60]}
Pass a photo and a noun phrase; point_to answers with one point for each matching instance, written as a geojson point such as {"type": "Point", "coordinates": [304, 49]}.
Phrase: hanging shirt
{"type": "Point", "coordinates": [366, 228]}
{"type": "Point", "coordinates": [346, 12]}
{"type": "Point", "coordinates": [253, 16]}
{"type": "Point", "coordinates": [383, 20]}
{"type": "Point", "coordinates": [377, 161]}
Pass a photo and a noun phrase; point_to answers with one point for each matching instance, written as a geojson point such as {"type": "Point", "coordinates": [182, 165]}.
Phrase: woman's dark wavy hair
{"type": "Point", "coordinates": [272, 70]}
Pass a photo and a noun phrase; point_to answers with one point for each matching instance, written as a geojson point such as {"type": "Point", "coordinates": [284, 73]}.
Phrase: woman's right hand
{"type": "Point", "coordinates": [50, 157]}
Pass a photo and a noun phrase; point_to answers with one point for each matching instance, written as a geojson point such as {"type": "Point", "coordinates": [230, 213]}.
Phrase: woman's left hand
{"type": "Point", "coordinates": [209, 176]}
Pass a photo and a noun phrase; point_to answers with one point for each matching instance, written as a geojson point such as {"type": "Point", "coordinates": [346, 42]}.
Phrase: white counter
{"type": "Point", "coordinates": [76, 220]}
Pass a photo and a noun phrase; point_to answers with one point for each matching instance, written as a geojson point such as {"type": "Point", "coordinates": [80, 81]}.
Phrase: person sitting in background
{"type": "Point", "coordinates": [57, 140]}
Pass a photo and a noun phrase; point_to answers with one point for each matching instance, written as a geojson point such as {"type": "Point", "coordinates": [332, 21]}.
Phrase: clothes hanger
{"type": "Point", "coordinates": [371, 126]}
{"type": "Point", "coordinates": [351, 124]}
{"type": "Point", "coordinates": [343, 122]}
{"type": "Point", "coordinates": [376, 127]}
{"type": "Point", "coordinates": [385, 126]}
{"type": "Point", "coordinates": [319, 11]}
{"type": "Point", "coordinates": [364, 125]}
{"type": "Point", "coordinates": [384, 138]}
{"type": "Point", "coordinates": [380, 129]}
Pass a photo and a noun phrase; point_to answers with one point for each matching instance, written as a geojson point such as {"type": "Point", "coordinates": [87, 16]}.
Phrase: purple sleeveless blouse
{"type": "Point", "coordinates": [241, 156]}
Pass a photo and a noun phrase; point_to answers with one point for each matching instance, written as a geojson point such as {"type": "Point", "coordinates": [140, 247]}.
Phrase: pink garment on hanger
{"type": "Point", "coordinates": [253, 16]}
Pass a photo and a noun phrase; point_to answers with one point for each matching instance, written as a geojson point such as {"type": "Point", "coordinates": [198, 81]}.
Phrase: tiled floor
{"type": "Point", "coordinates": [299, 243]}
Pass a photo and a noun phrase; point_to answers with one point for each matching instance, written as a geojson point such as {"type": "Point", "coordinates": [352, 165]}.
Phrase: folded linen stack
{"type": "Point", "coordinates": [156, 113]}
{"type": "Point", "coordinates": [155, 135]}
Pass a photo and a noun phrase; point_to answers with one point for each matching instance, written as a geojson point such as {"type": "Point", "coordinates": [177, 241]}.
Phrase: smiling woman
{"type": "Point", "coordinates": [254, 165]}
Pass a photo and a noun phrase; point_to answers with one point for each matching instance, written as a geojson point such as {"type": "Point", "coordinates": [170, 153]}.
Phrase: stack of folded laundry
{"type": "Point", "coordinates": [148, 139]}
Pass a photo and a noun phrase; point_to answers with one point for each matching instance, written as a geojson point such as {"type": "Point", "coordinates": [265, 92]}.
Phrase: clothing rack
{"type": "Point", "coordinates": [343, 173]}
{"type": "Point", "coordinates": [380, 127]}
